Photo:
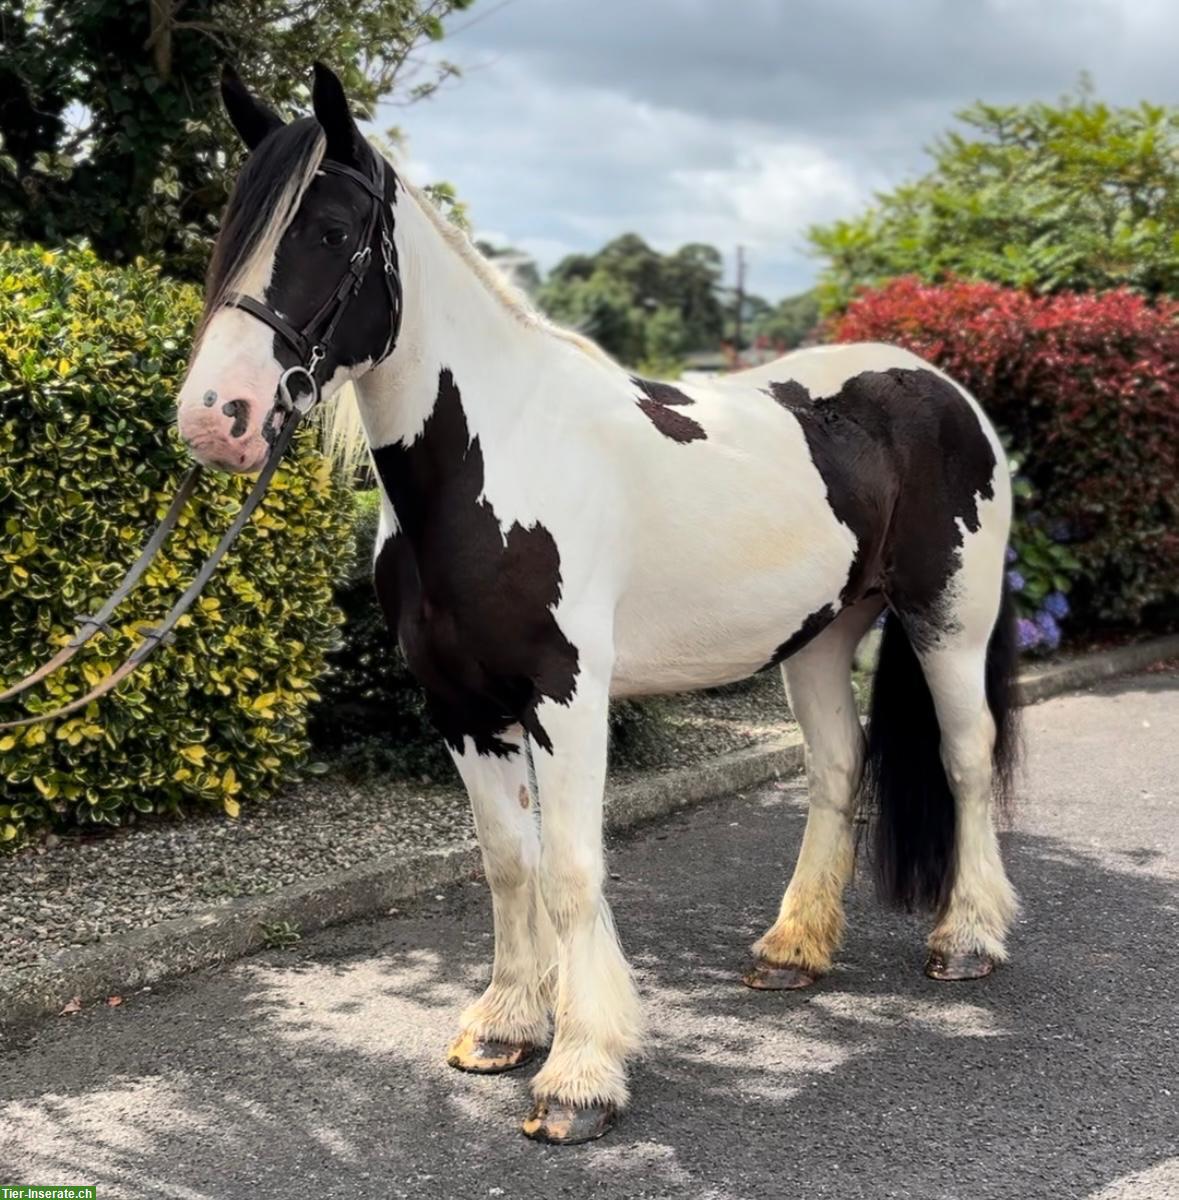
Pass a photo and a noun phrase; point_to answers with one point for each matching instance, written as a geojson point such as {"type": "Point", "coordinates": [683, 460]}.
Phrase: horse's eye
{"type": "Point", "coordinates": [335, 237]}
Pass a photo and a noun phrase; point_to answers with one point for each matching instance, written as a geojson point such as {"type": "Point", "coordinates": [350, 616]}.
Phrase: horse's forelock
{"type": "Point", "coordinates": [262, 204]}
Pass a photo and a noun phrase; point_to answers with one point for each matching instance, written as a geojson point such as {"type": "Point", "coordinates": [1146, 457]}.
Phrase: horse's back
{"type": "Point", "coordinates": [823, 370]}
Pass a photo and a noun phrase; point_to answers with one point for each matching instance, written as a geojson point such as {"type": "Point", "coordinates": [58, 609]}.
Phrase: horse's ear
{"type": "Point", "coordinates": [252, 119]}
{"type": "Point", "coordinates": [345, 142]}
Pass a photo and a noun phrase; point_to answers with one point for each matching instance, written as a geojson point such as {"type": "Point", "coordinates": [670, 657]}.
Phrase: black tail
{"type": "Point", "coordinates": [903, 775]}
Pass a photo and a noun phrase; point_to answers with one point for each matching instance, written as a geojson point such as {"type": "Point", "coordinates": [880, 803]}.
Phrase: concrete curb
{"type": "Point", "coordinates": [143, 957]}
{"type": "Point", "coordinates": [1093, 668]}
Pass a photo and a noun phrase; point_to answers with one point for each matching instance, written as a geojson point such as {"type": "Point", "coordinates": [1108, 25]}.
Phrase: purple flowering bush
{"type": "Point", "coordinates": [1040, 571]}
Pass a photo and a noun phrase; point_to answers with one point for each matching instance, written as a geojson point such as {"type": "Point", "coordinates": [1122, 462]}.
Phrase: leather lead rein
{"type": "Point", "coordinates": [297, 394]}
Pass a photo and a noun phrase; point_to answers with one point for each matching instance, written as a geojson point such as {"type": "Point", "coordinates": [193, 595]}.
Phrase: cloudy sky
{"type": "Point", "coordinates": [730, 121]}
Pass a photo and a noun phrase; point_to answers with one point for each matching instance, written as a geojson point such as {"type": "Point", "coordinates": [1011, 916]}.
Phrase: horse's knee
{"type": "Point", "coordinates": [509, 855]}
{"type": "Point", "coordinates": [507, 871]}
{"type": "Point", "coordinates": [571, 887]}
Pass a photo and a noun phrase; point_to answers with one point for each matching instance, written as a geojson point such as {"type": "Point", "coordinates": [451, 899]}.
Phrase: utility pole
{"type": "Point", "coordinates": [740, 302]}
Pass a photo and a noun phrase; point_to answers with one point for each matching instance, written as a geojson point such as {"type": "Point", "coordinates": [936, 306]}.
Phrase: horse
{"type": "Point", "coordinates": [557, 531]}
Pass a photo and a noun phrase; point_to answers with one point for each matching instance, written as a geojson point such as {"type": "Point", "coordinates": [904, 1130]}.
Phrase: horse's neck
{"type": "Point", "coordinates": [505, 363]}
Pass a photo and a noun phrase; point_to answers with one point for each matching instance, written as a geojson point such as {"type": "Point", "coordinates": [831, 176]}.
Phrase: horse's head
{"type": "Point", "coordinates": [302, 273]}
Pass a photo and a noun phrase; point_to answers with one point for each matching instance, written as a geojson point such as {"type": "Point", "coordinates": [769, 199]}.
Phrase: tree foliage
{"type": "Point", "coordinates": [643, 307]}
{"type": "Point", "coordinates": [788, 323]}
{"type": "Point", "coordinates": [111, 123]}
{"type": "Point", "coordinates": [1073, 196]}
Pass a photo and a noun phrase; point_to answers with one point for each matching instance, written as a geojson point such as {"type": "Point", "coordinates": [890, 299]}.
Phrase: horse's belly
{"type": "Point", "coordinates": [678, 638]}
{"type": "Point", "coordinates": [735, 551]}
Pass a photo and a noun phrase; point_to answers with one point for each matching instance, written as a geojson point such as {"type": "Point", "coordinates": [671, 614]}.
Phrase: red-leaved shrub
{"type": "Point", "coordinates": [1086, 386]}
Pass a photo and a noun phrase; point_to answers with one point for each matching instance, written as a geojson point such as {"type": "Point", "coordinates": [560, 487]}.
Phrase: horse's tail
{"type": "Point", "coordinates": [904, 779]}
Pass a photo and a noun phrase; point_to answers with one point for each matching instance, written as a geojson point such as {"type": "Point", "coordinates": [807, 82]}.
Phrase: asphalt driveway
{"type": "Point", "coordinates": [319, 1071]}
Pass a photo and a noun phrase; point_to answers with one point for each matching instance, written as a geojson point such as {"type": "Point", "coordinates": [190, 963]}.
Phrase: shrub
{"type": "Point", "coordinates": [91, 359]}
{"type": "Point", "coordinates": [371, 717]}
{"type": "Point", "coordinates": [1086, 386]}
{"type": "Point", "coordinates": [1041, 572]}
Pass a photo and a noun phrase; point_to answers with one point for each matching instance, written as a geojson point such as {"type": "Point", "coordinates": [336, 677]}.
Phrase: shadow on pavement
{"type": "Point", "coordinates": [320, 1072]}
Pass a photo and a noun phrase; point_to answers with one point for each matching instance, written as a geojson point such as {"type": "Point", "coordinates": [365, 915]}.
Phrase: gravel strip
{"type": "Point", "coordinates": [697, 726]}
{"type": "Point", "coordinates": [76, 892]}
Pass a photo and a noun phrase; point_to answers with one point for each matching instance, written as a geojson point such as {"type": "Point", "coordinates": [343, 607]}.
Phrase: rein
{"type": "Point", "coordinates": [297, 394]}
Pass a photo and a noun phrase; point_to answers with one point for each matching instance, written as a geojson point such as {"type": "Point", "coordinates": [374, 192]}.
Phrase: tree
{"type": "Point", "coordinates": [788, 323]}
{"type": "Point", "coordinates": [1071, 196]}
{"type": "Point", "coordinates": [643, 307]}
{"type": "Point", "coordinates": [111, 124]}
{"type": "Point", "coordinates": [602, 307]}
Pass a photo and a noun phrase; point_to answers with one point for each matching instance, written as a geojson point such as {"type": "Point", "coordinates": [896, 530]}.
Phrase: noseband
{"type": "Point", "coordinates": [297, 394]}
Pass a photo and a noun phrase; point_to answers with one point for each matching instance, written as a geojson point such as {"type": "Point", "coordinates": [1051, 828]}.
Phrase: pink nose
{"type": "Point", "coordinates": [225, 433]}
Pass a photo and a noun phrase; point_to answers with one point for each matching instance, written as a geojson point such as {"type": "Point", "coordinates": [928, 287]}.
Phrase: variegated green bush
{"type": "Point", "coordinates": [91, 359]}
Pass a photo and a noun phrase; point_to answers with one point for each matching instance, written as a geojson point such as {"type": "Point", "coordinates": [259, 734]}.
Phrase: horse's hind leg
{"type": "Point", "coordinates": [798, 947]}
{"type": "Point", "coordinates": [504, 1027]}
{"type": "Point", "coordinates": [971, 931]}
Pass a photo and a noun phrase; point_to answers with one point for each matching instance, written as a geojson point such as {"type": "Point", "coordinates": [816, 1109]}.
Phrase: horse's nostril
{"type": "Point", "coordinates": [239, 410]}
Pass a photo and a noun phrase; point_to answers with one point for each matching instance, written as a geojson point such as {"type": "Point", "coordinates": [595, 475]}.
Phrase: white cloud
{"type": "Point", "coordinates": [578, 122]}
{"type": "Point", "coordinates": [555, 171]}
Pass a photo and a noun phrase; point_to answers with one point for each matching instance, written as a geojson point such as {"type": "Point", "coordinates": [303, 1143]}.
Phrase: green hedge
{"type": "Point", "coordinates": [371, 717]}
{"type": "Point", "coordinates": [91, 359]}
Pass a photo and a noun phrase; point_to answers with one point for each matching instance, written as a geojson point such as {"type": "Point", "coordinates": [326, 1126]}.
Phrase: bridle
{"type": "Point", "coordinates": [297, 394]}
{"type": "Point", "coordinates": [311, 343]}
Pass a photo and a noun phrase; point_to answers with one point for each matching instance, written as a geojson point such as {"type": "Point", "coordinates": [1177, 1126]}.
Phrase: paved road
{"type": "Point", "coordinates": [319, 1072]}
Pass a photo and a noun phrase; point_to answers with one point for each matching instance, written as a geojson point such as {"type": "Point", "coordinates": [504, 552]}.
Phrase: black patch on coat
{"type": "Point", "coordinates": [307, 269]}
{"type": "Point", "coordinates": [254, 202]}
{"type": "Point", "coordinates": [659, 401]}
{"type": "Point", "coordinates": [904, 459]}
{"type": "Point", "coordinates": [470, 604]}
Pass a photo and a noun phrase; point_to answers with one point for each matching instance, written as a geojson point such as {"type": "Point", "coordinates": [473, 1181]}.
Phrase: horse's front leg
{"type": "Point", "coordinates": [582, 1085]}
{"type": "Point", "coordinates": [504, 1027]}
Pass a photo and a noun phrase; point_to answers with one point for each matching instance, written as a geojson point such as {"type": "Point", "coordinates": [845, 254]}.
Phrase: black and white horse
{"type": "Point", "coordinates": [556, 531]}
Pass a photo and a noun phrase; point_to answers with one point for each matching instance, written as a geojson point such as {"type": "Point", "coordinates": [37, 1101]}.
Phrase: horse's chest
{"type": "Point", "coordinates": [470, 599]}
{"type": "Point", "coordinates": [477, 629]}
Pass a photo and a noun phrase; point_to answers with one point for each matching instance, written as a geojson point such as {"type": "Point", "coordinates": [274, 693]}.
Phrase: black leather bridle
{"type": "Point", "coordinates": [311, 342]}
{"type": "Point", "coordinates": [297, 394]}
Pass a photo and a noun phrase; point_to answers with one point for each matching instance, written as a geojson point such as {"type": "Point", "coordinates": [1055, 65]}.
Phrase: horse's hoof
{"type": "Point", "coordinates": [487, 1056]}
{"type": "Point", "coordinates": [951, 967]}
{"type": "Point", "coordinates": [777, 977]}
{"type": "Point", "coordinates": [564, 1124]}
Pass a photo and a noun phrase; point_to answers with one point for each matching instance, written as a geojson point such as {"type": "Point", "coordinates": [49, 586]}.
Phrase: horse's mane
{"type": "Point", "coordinates": [496, 282]}
{"type": "Point", "coordinates": [344, 436]}
{"type": "Point", "coordinates": [262, 204]}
